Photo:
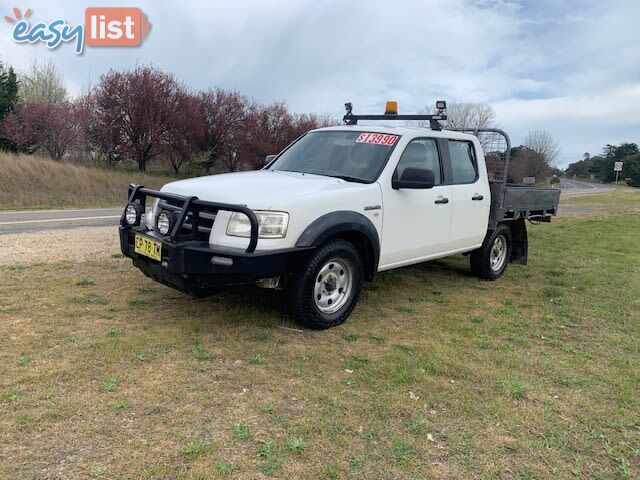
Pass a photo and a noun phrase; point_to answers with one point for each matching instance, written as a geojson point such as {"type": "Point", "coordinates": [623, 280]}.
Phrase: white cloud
{"type": "Point", "coordinates": [581, 123]}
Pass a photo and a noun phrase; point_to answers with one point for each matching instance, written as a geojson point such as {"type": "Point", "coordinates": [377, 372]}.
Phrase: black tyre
{"type": "Point", "coordinates": [491, 259]}
{"type": "Point", "coordinates": [325, 291]}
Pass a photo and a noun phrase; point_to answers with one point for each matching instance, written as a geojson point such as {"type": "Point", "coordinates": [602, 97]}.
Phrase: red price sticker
{"type": "Point", "coordinates": [377, 138]}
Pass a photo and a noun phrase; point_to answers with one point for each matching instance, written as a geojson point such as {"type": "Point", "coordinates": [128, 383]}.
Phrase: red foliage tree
{"type": "Point", "coordinates": [303, 122]}
{"type": "Point", "coordinates": [141, 114]}
{"type": "Point", "coordinates": [185, 132]}
{"type": "Point", "coordinates": [268, 132]}
{"type": "Point", "coordinates": [61, 128]}
{"type": "Point", "coordinates": [19, 134]}
{"type": "Point", "coordinates": [52, 127]}
{"type": "Point", "coordinates": [84, 147]}
{"type": "Point", "coordinates": [224, 116]}
{"type": "Point", "coordinates": [134, 112]}
{"type": "Point", "coordinates": [272, 127]}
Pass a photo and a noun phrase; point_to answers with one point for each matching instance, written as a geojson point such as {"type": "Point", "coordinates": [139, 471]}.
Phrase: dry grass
{"type": "Point", "coordinates": [35, 182]}
{"type": "Point", "coordinates": [106, 374]}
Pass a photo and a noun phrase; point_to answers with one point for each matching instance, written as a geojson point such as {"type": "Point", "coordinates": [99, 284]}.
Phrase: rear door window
{"type": "Point", "coordinates": [464, 168]}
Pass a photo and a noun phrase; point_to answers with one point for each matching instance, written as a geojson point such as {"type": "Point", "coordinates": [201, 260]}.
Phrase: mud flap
{"type": "Point", "coordinates": [520, 244]}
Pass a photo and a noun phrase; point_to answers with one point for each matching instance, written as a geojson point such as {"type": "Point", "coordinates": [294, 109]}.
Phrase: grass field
{"type": "Point", "coordinates": [35, 182]}
{"type": "Point", "coordinates": [106, 374]}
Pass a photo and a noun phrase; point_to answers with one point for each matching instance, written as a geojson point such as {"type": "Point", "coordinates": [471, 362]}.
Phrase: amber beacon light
{"type": "Point", "coordinates": [391, 108]}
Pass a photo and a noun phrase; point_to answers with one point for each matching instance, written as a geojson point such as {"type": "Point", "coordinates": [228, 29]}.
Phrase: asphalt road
{"type": "Point", "coordinates": [19, 221]}
{"type": "Point", "coordinates": [576, 187]}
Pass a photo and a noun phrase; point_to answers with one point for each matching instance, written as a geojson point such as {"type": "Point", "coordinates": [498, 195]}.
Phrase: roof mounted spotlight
{"type": "Point", "coordinates": [348, 107]}
{"type": "Point", "coordinates": [441, 107]}
{"type": "Point", "coordinates": [349, 118]}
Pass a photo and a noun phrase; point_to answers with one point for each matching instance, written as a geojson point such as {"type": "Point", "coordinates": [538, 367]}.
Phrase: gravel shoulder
{"type": "Point", "coordinates": [75, 245]}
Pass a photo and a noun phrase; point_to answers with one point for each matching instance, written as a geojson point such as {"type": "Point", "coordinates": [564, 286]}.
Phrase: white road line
{"type": "Point", "coordinates": [59, 220]}
{"type": "Point", "coordinates": [583, 185]}
{"type": "Point", "coordinates": [64, 210]}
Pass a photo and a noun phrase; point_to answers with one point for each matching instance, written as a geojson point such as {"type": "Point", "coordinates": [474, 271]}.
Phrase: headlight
{"type": "Point", "coordinates": [164, 222]}
{"type": "Point", "coordinates": [132, 214]}
{"type": "Point", "coordinates": [270, 225]}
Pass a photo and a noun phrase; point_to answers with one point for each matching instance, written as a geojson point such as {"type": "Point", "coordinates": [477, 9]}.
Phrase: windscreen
{"type": "Point", "coordinates": [353, 156]}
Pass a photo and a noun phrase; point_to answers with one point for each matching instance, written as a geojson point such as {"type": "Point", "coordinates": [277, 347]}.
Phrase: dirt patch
{"type": "Point", "coordinates": [617, 202]}
{"type": "Point", "coordinates": [96, 243]}
{"type": "Point", "coordinates": [565, 210]}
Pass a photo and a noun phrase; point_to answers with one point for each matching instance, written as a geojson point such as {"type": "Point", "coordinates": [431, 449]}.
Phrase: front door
{"type": "Point", "coordinates": [416, 222]}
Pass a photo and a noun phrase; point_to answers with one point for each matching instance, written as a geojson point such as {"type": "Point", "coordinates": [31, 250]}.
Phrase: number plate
{"type": "Point", "coordinates": [148, 247]}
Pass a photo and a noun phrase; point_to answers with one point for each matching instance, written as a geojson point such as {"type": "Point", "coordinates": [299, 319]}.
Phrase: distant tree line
{"type": "Point", "coordinates": [145, 115]}
{"type": "Point", "coordinates": [140, 116]}
{"type": "Point", "coordinates": [601, 166]}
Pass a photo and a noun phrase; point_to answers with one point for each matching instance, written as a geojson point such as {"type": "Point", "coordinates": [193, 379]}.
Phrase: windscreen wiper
{"type": "Point", "coordinates": [348, 178]}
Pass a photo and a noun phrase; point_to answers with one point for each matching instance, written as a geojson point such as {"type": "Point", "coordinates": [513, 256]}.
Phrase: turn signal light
{"type": "Point", "coordinates": [391, 108]}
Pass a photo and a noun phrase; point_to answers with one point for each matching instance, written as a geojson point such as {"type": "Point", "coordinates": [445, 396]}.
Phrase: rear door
{"type": "Point", "coordinates": [470, 195]}
{"type": "Point", "coordinates": [416, 223]}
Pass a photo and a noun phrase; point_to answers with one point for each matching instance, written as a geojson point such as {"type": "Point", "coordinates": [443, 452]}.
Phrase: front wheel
{"type": "Point", "coordinates": [325, 291]}
{"type": "Point", "coordinates": [491, 259]}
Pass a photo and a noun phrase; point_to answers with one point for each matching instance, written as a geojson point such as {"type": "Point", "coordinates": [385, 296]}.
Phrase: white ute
{"type": "Point", "coordinates": [335, 207]}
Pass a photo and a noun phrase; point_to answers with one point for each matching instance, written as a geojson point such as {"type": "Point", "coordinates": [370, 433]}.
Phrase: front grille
{"type": "Point", "coordinates": [205, 220]}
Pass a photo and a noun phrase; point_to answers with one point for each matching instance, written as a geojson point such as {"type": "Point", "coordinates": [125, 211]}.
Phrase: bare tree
{"type": "Point", "coordinates": [526, 162]}
{"type": "Point", "coordinates": [536, 158]}
{"type": "Point", "coordinates": [463, 115]}
{"type": "Point", "coordinates": [42, 83]}
{"type": "Point", "coordinates": [541, 142]}
{"type": "Point", "coordinates": [470, 115]}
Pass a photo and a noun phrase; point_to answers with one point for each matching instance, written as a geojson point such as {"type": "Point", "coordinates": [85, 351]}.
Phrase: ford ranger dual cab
{"type": "Point", "coordinates": [334, 208]}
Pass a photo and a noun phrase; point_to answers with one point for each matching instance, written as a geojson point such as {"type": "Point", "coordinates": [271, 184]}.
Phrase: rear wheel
{"type": "Point", "coordinates": [491, 259]}
{"type": "Point", "coordinates": [325, 292]}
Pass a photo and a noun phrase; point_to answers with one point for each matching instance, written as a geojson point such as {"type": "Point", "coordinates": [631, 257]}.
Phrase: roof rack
{"type": "Point", "coordinates": [391, 113]}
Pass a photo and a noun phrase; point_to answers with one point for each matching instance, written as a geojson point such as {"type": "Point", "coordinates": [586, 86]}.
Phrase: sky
{"type": "Point", "coordinates": [569, 67]}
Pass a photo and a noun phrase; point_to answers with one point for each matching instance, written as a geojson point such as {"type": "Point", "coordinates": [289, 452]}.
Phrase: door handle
{"type": "Point", "coordinates": [441, 200]}
{"type": "Point", "coordinates": [477, 196]}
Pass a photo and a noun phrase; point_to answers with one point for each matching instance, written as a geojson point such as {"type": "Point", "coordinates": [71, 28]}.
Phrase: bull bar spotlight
{"type": "Point", "coordinates": [133, 214]}
{"type": "Point", "coordinates": [165, 222]}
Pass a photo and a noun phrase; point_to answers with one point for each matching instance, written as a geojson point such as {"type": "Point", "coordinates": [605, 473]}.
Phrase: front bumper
{"type": "Point", "coordinates": [196, 268]}
{"type": "Point", "coordinates": [188, 263]}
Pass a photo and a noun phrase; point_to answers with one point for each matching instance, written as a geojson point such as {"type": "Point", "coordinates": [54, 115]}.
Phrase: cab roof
{"type": "Point", "coordinates": [400, 130]}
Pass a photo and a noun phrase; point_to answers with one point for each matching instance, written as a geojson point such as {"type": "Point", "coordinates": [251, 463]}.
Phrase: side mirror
{"type": "Point", "coordinates": [413, 178]}
{"type": "Point", "coordinates": [268, 159]}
